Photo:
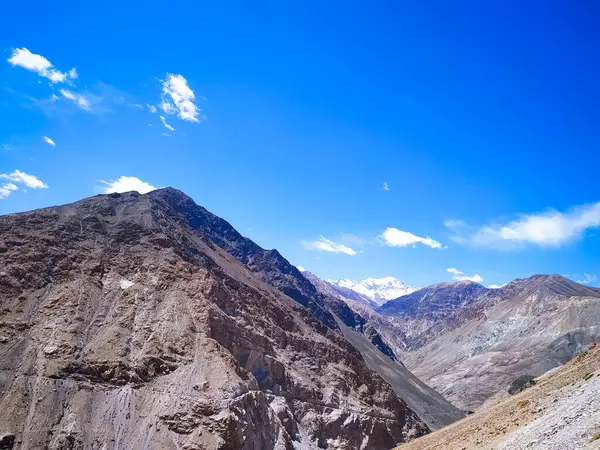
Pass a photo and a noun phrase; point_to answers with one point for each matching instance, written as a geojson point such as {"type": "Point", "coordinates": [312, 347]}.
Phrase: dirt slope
{"type": "Point", "coordinates": [429, 405]}
{"type": "Point", "coordinates": [562, 411]}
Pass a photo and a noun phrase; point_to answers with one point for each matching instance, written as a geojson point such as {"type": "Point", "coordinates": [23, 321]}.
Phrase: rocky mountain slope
{"type": "Point", "coordinates": [423, 315]}
{"type": "Point", "coordinates": [429, 405]}
{"type": "Point", "coordinates": [272, 268]}
{"type": "Point", "coordinates": [561, 411]}
{"type": "Point", "coordinates": [143, 321]}
{"type": "Point", "coordinates": [470, 343]}
{"type": "Point", "coordinates": [378, 290]}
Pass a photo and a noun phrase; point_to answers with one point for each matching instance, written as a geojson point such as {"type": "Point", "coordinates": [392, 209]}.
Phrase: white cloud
{"type": "Point", "coordinates": [4, 192]}
{"type": "Point", "coordinates": [394, 237]}
{"type": "Point", "coordinates": [78, 99]}
{"type": "Point", "coordinates": [587, 278]}
{"type": "Point", "coordinates": [165, 124]}
{"type": "Point", "coordinates": [178, 98]}
{"type": "Point", "coordinates": [386, 186]}
{"type": "Point", "coordinates": [151, 108]}
{"type": "Point", "coordinates": [17, 177]}
{"type": "Point", "coordinates": [28, 180]}
{"type": "Point", "coordinates": [327, 245]}
{"type": "Point", "coordinates": [546, 229]}
{"type": "Point", "coordinates": [301, 269]}
{"type": "Point", "coordinates": [6, 147]}
{"type": "Point", "coordinates": [37, 63]}
{"type": "Point", "coordinates": [6, 189]}
{"type": "Point", "coordinates": [126, 184]}
{"type": "Point", "coordinates": [460, 276]}
{"type": "Point", "coordinates": [49, 141]}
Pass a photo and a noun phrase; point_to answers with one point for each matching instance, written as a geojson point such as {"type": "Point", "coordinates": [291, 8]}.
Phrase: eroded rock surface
{"type": "Point", "coordinates": [124, 325]}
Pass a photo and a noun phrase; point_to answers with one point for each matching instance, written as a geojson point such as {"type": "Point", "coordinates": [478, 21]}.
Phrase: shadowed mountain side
{"type": "Point", "coordinates": [429, 405]}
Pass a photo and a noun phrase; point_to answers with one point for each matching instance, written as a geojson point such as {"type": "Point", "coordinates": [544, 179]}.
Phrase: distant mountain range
{"type": "Point", "coordinates": [473, 352]}
{"type": "Point", "coordinates": [470, 342]}
{"type": "Point", "coordinates": [379, 290]}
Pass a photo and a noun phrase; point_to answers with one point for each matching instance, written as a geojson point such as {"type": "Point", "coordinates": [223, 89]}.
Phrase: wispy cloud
{"type": "Point", "coordinates": [178, 98]}
{"type": "Point", "coordinates": [386, 187]}
{"type": "Point", "coordinates": [98, 99]}
{"type": "Point", "coordinates": [353, 240]}
{"type": "Point", "coordinates": [151, 108]}
{"type": "Point", "coordinates": [126, 184]}
{"type": "Point", "coordinates": [81, 101]}
{"type": "Point", "coordinates": [16, 178]}
{"type": "Point", "coordinates": [327, 245]}
{"type": "Point", "coordinates": [394, 237]}
{"type": "Point", "coordinates": [460, 276]}
{"type": "Point", "coordinates": [6, 189]}
{"type": "Point", "coordinates": [165, 124]}
{"type": "Point", "coordinates": [22, 57]}
{"type": "Point", "coordinates": [546, 229]}
{"type": "Point", "coordinates": [49, 141]}
{"type": "Point", "coordinates": [495, 286]}
{"type": "Point", "coordinates": [6, 147]}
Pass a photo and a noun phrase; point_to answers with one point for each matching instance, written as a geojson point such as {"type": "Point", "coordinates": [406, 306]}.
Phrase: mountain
{"type": "Point", "coordinates": [379, 290]}
{"type": "Point", "coordinates": [272, 268]}
{"type": "Point", "coordinates": [144, 321]}
{"type": "Point", "coordinates": [429, 405]}
{"type": "Point", "coordinates": [333, 290]}
{"type": "Point", "coordinates": [355, 304]}
{"type": "Point", "coordinates": [424, 314]}
{"type": "Point", "coordinates": [470, 343]}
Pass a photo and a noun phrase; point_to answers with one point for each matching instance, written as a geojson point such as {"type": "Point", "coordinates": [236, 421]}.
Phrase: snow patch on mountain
{"type": "Point", "coordinates": [380, 290]}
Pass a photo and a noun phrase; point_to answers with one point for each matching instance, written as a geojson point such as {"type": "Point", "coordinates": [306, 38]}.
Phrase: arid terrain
{"type": "Point", "coordinates": [470, 343]}
{"type": "Point", "coordinates": [125, 323]}
{"type": "Point", "coordinates": [561, 411]}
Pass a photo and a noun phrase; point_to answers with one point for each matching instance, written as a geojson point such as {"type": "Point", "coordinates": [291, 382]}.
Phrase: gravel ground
{"type": "Point", "coordinates": [570, 424]}
{"type": "Point", "coordinates": [561, 412]}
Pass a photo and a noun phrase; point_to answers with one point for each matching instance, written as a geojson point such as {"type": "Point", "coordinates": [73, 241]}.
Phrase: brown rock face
{"type": "Point", "coordinates": [122, 325]}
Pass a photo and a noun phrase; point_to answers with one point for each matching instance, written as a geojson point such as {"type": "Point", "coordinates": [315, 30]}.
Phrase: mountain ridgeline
{"type": "Point", "coordinates": [470, 343]}
{"type": "Point", "coordinates": [144, 321]}
{"type": "Point", "coordinates": [269, 266]}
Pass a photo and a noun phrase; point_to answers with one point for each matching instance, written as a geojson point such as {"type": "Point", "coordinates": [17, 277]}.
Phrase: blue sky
{"type": "Point", "coordinates": [482, 120]}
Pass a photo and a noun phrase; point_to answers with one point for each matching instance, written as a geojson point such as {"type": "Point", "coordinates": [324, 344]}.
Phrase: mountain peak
{"type": "Point", "coordinates": [377, 289]}
{"type": "Point", "coordinates": [549, 284]}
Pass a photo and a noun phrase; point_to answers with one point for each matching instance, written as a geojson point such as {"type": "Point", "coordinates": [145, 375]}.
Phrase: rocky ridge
{"type": "Point", "coordinates": [127, 321]}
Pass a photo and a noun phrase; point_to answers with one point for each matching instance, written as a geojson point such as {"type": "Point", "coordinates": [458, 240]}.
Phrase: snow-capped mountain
{"type": "Point", "coordinates": [380, 290]}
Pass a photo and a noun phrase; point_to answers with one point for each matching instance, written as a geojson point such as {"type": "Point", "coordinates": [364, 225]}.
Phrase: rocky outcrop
{"type": "Point", "coordinates": [126, 324]}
